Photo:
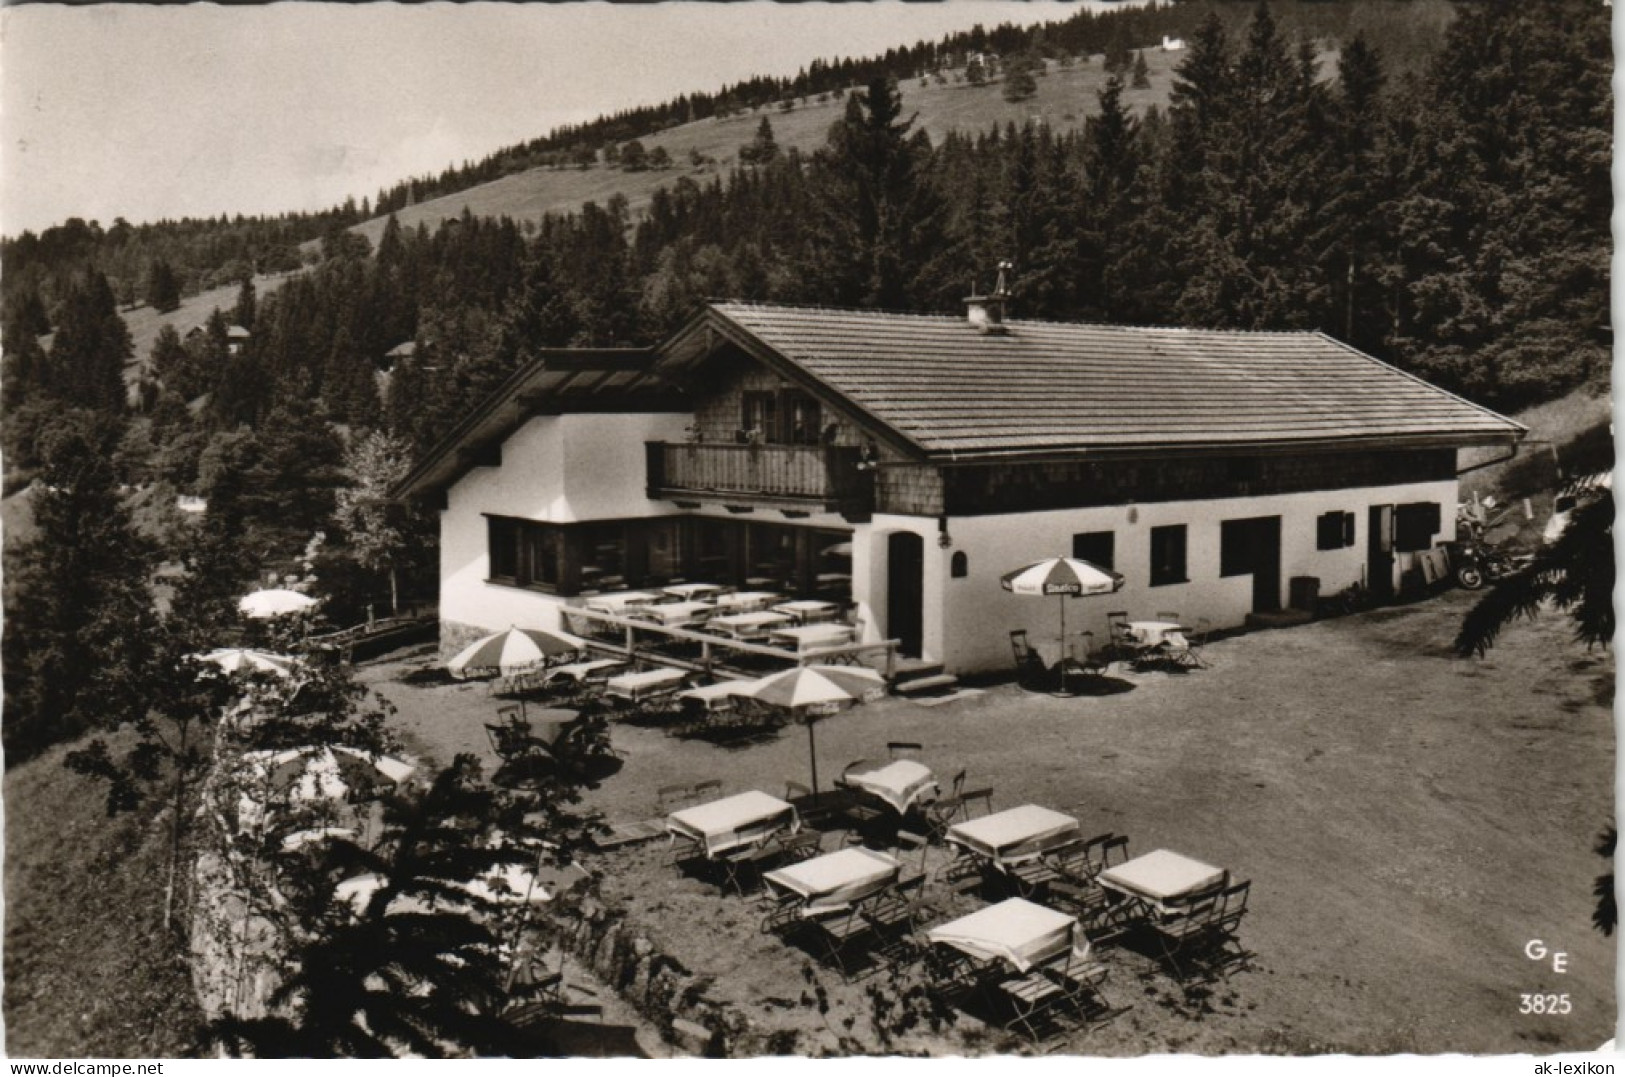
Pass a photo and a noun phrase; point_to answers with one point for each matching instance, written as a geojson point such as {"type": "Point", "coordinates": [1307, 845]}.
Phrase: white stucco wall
{"type": "Point", "coordinates": [968, 621]}
{"type": "Point", "coordinates": [556, 469]}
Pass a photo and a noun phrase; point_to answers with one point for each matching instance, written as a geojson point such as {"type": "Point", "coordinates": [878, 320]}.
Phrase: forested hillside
{"type": "Point", "coordinates": [1454, 222]}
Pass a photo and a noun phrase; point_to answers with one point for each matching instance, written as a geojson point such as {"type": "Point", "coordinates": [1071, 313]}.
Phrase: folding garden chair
{"type": "Point", "coordinates": [1189, 931]}
{"type": "Point", "coordinates": [904, 749]}
{"type": "Point", "coordinates": [1081, 978]}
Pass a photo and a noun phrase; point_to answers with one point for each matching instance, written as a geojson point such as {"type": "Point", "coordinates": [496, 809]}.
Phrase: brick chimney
{"type": "Point", "coordinates": [986, 312]}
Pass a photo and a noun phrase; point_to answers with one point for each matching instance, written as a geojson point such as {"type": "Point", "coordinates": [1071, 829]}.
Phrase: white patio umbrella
{"type": "Point", "coordinates": [514, 650]}
{"type": "Point", "coordinates": [813, 691]}
{"type": "Point", "coordinates": [246, 660]}
{"type": "Point", "coordinates": [310, 775]}
{"type": "Point", "coordinates": [275, 602]}
{"type": "Point", "coordinates": [1062, 577]}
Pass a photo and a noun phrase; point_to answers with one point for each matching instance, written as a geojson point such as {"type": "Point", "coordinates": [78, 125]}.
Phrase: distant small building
{"type": "Point", "coordinates": [237, 339]}
{"type": "Point", "coordinates": [1172, 44]}
{"type": "Point", "coordinates": [404, 350]}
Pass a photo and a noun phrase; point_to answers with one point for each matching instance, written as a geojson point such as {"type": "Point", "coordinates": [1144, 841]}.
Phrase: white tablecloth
{"type": "Point", "coordinates": [732, 822]}
{"type": "Point", "coordinates": [900, 784]}
{"type": "Point", "coordinates": [674, 614]}
{"type": "Point", "coordinates": [619, 602]}
{"type": "Point", "coordinates": [692, 591]}
{"type": "Point", "coordinates": [1156, 633]}
{"type": "Point", "coordinates": [747, 625]}
{"type": "Point", "coordinates": [746, 601]}
{"type": "Point", "coordinates": [808, 609]}
{"type": "Point", "coordinates": [1162, 877]}
{"type": "Point", "coordinates": [813, 637]}
{"type": "Point", "coordinates": [648, 683]}
{"type": "Point", "coordinates": [837, 879]}
{"type": "Point", "coordinates": [1016, 931]}
{"type": "Point", "coordinates": [1015, 834]}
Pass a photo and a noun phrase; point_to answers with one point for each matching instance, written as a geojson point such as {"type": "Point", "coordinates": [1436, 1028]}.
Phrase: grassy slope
{"type": "Point", "coordinates": [90, 970]}
{"type": "Point", "coordinates": [1065, 99]}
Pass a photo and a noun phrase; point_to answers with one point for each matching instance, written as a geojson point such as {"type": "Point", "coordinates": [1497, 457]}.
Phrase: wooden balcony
{"type": "Point", "coordinates": [822, 476]}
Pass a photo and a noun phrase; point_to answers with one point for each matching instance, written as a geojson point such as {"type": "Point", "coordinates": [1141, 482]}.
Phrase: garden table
{"type": "Point", "coordinates": [735, 822]}
{"type": "Point", "coordinates": [755, 624]}
{"type": "Point", "coordinates": [812, 637]}
{"type": "Point", "coordinates": [646, 685]}
{"type": "Point", "coordinates": [1015, 835]}
{"type": "Point", "coordinates": [832, 882]}
{"type": "Point", "coordinates": [806, 610]}
{"type": "Point", "coordinates": [746, 601]}
{"type": "Point", "coordinates": [901, 784]}
{"type": "Point", "coordinates": [676, 614]}
{"type": "Point", "coordinates": [583, 672]}
{"type": "Point", "coordinates": [693, 591]}
{"type": "Point", "coordinates": [1161, 879]}
{"type": "Point", "coordinates": [620, 602]}
{"type": "Point", "coordinates": [1016, 932]}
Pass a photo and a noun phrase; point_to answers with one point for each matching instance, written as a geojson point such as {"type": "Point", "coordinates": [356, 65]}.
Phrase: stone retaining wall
{"type": "Point", "coordinates": [626, 958]}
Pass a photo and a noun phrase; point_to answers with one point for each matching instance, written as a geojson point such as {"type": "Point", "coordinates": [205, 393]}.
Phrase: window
{"type": "Point", "coordinates": [801, 419]}
{"type": "Point", "coordinates": [524, 553]}
{"type": "Point", "coordinates": [1334, 530]}
{"type": "Point", "coordinates": [1236, 548]}
{"type": "Point", "coordinates": [757, 415]}
{"type": "Point", "coordinates": [1415, 525]}
{"type": "Point", "coordinates": [1095, 547]}
{"type": "Point", "coordinates": [503, 538]}
{"type": "Point", "coordinates": [1168, 555]}
{"type": "Point", "coordinates": [959, 566]}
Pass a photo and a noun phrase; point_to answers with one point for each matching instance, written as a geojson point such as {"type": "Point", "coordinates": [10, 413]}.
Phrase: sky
{"type": "Point", "coordinates": [196, 110]}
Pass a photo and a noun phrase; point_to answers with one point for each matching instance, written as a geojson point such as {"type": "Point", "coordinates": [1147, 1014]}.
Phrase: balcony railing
{"type": "Point", "coordinates": [827, 474]}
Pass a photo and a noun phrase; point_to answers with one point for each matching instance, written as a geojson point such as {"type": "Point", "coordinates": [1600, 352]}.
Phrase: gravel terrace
{"type": "Point", "coordinates": [1409, 821]}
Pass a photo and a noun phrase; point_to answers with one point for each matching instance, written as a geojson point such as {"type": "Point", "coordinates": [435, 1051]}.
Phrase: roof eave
{"type": "Point", "coordinates": [1272, 447]}
{"type": "Point", "coordinates": [504, 411]}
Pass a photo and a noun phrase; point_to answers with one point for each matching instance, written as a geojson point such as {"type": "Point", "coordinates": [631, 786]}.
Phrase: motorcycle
{"type": "Point", "coordinates": [1477, 563]}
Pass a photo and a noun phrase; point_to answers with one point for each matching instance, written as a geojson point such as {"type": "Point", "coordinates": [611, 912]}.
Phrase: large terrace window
{"type": "Point", "coordinates": [524, 553]}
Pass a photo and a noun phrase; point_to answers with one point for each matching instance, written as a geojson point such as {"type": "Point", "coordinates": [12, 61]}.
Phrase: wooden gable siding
{"type": "Point", "coordinates": [910, 490]}
{"type": "Point", "coordinates": [987, 489]}
{"type": "Point", "coordinates": [720, 393]}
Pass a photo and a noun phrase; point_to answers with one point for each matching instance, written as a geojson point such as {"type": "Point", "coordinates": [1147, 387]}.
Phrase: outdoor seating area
{"type": "Point", "coordinates": [1011, 917]}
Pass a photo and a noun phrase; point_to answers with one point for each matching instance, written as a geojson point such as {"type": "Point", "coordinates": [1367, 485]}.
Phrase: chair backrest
{"type": "Point", "coordinates": [1094, 852]}
{"type": "Point", "coordinates": [1118, 622]}
{"type": "Point", "coordinates": [1018, 644]}
{"type": "Point", "coordinates": [1235, 900]}
{"type": "Point", "coordinates": [708, 788]}
{"type": "Point", "coordinates": [795, 791]}
{"type": "Point", "coordinates": [674, 794]}
{"type": "Point", "coordinates": [958, 783]}
{"type": "Point", "coordinates": [971, 796]}
{"type": "Point", "coordinates": [1114, 851]}
{"type": "Point", "coordinates": [1171, 616]}
{"type": "Point", "coordinates": [904, 749]}
{"type": "Point", "coordinates": [856, 764]}
{"type": "Point", "coordinates": [1202, 629]}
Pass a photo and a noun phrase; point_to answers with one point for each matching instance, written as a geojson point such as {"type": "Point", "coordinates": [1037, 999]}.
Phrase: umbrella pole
{"type": "Point", "coordinates": [812, 757]}
{"type": "Point", "coordinates": [1062, 665]}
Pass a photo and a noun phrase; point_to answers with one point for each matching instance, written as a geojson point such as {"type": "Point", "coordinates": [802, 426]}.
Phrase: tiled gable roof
{"type": "Point", "coordinates": [951, 390]}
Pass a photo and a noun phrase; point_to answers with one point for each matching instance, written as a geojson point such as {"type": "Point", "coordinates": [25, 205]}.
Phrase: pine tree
{"type": "Point", "coordinates": [247, 305]}
{"type": "Point", "coordinates": [91, 346]}
{"type": "Point", "coordinates": [163, 287]}
{"type": "Point", "coordinates": [875, 211]}
{"type": "Point", "coordinates": [1019, 83]}
{"type": "Point", "coordinates": [78, 625]}
{"type": "Point", "coordinates": [1142, 73]}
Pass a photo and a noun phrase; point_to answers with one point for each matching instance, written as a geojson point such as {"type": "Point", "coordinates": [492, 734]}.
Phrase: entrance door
{"type": "Point", "coordinates": [1380, 551]}
{"type": "Point", "coordinates": [905, 590]}
{"type": "Point", "coordinates": [1253, 547]}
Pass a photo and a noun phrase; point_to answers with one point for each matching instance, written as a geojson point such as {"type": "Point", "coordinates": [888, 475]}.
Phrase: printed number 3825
{"type": "Point", "coordinates": [1543, 1004]}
